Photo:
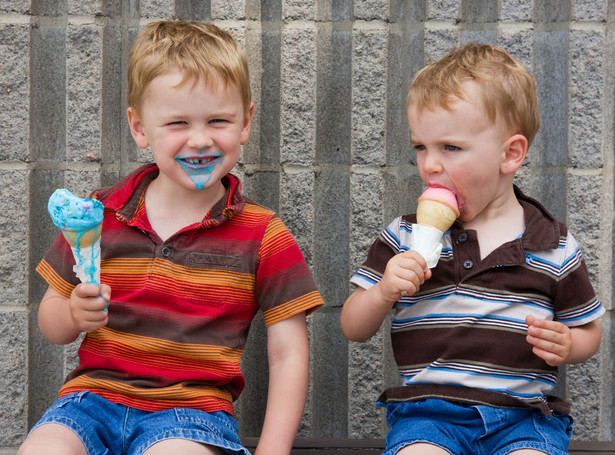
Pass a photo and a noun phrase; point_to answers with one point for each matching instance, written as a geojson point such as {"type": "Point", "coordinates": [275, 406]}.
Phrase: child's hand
{"type": "Point", "coordinates": [552, 340]}
{"type": "Point", "coordinates": [404, 274]}
{"type": "Point", "coordinates": [88, 304]}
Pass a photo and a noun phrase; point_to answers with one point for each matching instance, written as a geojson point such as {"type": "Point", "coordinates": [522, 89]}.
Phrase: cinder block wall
{"type": "Point", "coordinates": [329, 151]}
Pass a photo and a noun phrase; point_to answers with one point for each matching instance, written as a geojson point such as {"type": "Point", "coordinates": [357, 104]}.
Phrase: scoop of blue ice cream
{"type": "Point", "coordinates": [71, 212]}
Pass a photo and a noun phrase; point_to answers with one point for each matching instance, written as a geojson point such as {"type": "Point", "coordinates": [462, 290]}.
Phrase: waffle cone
{"type": "Point", "coordinates": [436, 214]}
{"type": "Point", "coordinates": [81, 239]}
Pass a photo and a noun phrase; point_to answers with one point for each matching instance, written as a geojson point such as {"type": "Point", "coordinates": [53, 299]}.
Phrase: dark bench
{"type": "Point", "coordinates": [375, 446]}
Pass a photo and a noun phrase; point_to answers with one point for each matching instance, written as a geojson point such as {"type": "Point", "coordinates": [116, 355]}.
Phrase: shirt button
{"type": "Point", "coordinates": [462, 237]}
{"type": "Point", "coordinates": [166, 251]}
{"type": "Point", "coordinates": [467, 264]}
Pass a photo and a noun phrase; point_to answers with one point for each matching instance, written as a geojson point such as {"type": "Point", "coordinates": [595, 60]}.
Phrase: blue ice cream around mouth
{"type": "Point", "coordinates": [199, 167]}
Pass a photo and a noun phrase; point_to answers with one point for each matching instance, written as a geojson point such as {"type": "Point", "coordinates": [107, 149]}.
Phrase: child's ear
{"type": "Point", "coordinates": [136, 128]}
{"type": "Point", "coordinates": [247, 124]}
{"type": "Point", "coordinates": [515, 149]}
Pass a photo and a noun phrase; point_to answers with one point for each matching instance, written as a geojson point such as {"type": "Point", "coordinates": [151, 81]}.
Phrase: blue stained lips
{"type": "Point", "coordinates": [199, 167]}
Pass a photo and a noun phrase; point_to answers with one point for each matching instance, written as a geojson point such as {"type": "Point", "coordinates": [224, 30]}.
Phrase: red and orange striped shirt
{"type": "Point", "coordinates": [181, 309]}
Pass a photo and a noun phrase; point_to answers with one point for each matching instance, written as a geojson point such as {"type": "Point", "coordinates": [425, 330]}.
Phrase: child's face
{"type": "Point", "coordinates": [195, 132]}
{"type": "Point", "coordinates": [461, 150]}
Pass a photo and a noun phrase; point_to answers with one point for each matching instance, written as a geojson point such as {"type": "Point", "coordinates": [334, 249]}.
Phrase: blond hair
{"type": "Point", "coordinates": [196, 49]}
{"type": "Point", "coordinates": [505, 87]}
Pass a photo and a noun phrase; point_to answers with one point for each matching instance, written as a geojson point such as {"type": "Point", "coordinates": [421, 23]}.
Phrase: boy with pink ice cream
{"type": "Point", "coordinates": [483, 320]}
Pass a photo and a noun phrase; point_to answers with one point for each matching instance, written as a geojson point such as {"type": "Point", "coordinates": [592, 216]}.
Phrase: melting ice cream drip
{"type": "Point", "coordinates": [81, 223]}
{"type": "Point", "coordinates": [199, 167]}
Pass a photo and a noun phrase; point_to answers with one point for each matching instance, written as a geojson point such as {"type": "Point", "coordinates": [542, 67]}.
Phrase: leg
{"type": "Point", "coordinates": [421, 448]}
{"type": "Point", "coordinates": [183, 446]}
{"type": "Point", "coordinates": [52, 439]}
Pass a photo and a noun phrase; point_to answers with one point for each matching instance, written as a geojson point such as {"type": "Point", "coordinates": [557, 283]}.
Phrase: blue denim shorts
{"type": "Point", "coordinates": [470, 429]}
{"type": "Point", "coordinates": [114, 429]}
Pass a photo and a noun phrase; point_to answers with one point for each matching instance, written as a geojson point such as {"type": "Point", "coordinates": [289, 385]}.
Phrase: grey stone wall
{"type": "Point", "coordinates": [329, 151]}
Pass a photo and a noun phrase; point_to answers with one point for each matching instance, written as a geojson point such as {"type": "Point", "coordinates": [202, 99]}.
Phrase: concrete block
{"type": "Point", "coordinates": [583, 392]}
{"type": "Point", "coordinates": [298, 95]}
{"type": "Point", "coordinates": [443, 10]}
{"type": "Point", "coordinates": [586, 85]}
{"type": "Point", "coordinates": [515, 10]}
{"type": "Point", "coordinates": [90, 8]}
{"type": "Point", "coordinates": [48, 93]}
{"type": "Point", "coordinates": [439, 42]}
{"type": "Point", "coordinates": [84, 76]}
{"type": "Point", "coordinates": [519, 43]}
{"type": "Point", "coordinates": [371, 10]}
{"type": "Point", "coordinates": [14, 237]}
{"type": "Point", "coordinates": [13, 370]}
{"type": "Point", "coordinates": [584, 220]}
{"type": "Point", "coordinates": [551, 12]}
{"type": "Point", "coordinates": [369, 69]}
{"type": "Point", "coordinates": [334, 95]}
{"type": "Point", "coordinates": [480, 11]}
{"type": "Point", "coordinates": [14, 92]}
{"type": "Point", "coordinates": [365, 384]}
{"type": "Point", "coordinates": [298, 10]}
{"type": "Point", "coordinates": [82, 182]}
{"type": "Point", "coordinates": [550, 71]}
{"type": "Point", "coordinates": [589, 10]}
{"type": "Point", "coordinates": [334, 11]}
{"type": "Point", "coordinates": [15, 7]}
{"type": "Point", "coordinates": [113, 109]}
{"type": "Point", "coordinates": [157, 9]}
{"type": "Point", "coordinates": [329, 347]}
{"type": "Point", "coordinates": [228, 10]}
{"type": "Point", "coordinates": [297, 209]}
{"type": "Point", "coordinates": [367, 191]}
{"type": "Point", "coordinates": [199, 10]}
{"type": "Point", "coordinates": [250, 408]}
{"type": "Point", "coordinates": [331, 223]}
{"type": "Point", "coordinates": [263, 187]}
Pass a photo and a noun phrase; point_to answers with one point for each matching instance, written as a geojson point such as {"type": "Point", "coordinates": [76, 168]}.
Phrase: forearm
{"type": "Point", "coordinates": [585, 342]}
{"type": "Point", "coordinates": [288, 383]}
{"type": "Point", "coordinates": [55, 320]}
{"type": "Point", "coordinates": [363, 313]}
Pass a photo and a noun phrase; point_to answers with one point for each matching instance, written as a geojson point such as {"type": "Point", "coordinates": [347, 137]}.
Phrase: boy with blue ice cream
{"type": "Point", "coordinates": [478, 338]}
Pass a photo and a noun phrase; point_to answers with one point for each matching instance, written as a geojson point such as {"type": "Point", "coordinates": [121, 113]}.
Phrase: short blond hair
{"type": "Point", "coordinates": [198, 50]}
{"type": "Point", "coordinates": [505, 87]}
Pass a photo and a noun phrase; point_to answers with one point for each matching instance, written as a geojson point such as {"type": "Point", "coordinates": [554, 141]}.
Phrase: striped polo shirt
{"type": "Point", "coordinates": [181, 309]}
{"type": "Point", "coordinates": [462, 337]}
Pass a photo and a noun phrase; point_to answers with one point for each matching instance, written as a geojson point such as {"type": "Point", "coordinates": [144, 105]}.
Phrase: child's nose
{"type": "Point", "coordinates": [200, 139]}
{"type": "Point", "coordinates": [431, 163]}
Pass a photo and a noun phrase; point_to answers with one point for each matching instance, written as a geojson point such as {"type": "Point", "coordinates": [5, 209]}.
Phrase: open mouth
{"type": "Point", "coordinates": [199, 162]}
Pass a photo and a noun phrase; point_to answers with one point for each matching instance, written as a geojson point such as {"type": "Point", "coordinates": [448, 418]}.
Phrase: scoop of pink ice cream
{"type": "Point", "coordinates": [437, 208]}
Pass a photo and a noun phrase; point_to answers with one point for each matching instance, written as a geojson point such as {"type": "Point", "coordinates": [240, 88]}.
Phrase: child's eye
{"type": "Point", "coordinates": [451, 148]}
{"type": "Point", "coordinates": [217, 120]}
{"type": "Point", "coordinates": [419, 147]}
{"type": "Point", "coordinates": [178, 122]}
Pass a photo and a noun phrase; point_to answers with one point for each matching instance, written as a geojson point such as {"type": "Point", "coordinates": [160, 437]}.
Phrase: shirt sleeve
{"type": "Point", "coordinates": [391, 241]}
{"type": "Point", "coordinates": [284, 283]}
{"type": "Point", "coordinates": [575, 301]}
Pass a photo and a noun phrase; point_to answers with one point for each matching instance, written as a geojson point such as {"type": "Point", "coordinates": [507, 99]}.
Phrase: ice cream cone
{"type": "Point", "coordinates": [436, 214]}
{"type": "Point", "coordinates": [80, 221]}
{"type": "Point", "coordinates": [80, 238]}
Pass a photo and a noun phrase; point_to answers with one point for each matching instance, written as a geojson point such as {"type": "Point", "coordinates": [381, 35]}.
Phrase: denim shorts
{"type": "Point", "coordinates": [470, 429]}
{"type": "Point", "coordinates": [114, 429]}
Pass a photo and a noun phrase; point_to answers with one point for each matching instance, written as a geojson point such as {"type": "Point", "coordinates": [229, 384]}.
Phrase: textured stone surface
{"type": "Point", "coordinates": [14, 90]}
{"type": "Point", "coordinates": [14, 237]}
{"type": "Point", "coordinates": [329, 151]}
{"type": "Point", "coordinates": [13, 388]}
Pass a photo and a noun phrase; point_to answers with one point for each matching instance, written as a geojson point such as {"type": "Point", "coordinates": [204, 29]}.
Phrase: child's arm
{"type": "Point", "coordinates": [557, 343]}
{"type": "Point", "coordinates": [365, 310]}
{"type": "Point", "coordinates": [62, 319]}
{"type": "Point", "coordinates": [288, 355]}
